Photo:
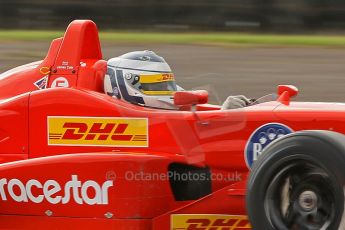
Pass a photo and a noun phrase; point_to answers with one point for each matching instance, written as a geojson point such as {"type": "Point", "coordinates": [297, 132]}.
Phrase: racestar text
{"type": "Point", "coordinates": [51, 190]}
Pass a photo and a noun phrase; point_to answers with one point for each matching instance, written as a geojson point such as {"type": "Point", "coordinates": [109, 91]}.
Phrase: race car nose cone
{"type": "Point", "coordinates": [308, 200]}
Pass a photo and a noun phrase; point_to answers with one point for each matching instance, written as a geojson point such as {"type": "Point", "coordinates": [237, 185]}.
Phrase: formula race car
{"type": "Point", "coordinates": [75, 156]}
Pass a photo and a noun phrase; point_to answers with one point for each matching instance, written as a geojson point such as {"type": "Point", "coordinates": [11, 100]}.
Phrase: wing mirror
{"type": "Point", "coordinates": [286, 92]}
{"type": "Point", "coordinates": [185, 98]}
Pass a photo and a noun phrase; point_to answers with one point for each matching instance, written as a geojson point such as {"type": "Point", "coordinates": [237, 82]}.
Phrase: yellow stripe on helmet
{"type": "Point", "coordinates": [155, 78]}
{"type": "Point", "coordinates": [157, 92]}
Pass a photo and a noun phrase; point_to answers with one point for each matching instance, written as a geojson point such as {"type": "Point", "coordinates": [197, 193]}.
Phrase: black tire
{"type": "Point", "coordinates": [298, 182]}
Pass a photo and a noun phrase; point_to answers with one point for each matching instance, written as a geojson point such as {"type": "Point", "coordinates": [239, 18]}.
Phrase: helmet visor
{"type": "Point", "coordinates": [158, 84]}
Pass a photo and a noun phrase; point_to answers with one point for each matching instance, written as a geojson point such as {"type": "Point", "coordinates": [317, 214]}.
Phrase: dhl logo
{"type": "Point", "coordinates": [96, 131]}
{"type": "Point", "coordinates": [168, 77]}
{"type": "Point", "coordinates": [209, 222]}
{"type": "Point", "coordinates": [157, 78]}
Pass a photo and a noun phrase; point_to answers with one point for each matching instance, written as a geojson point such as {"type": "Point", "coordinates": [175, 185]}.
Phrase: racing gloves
{"type": "Point", "coordinates": [234, 102]}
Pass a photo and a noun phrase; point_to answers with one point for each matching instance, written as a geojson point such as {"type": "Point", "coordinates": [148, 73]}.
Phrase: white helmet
{"type": "Point", "coordinates": [143, 78]}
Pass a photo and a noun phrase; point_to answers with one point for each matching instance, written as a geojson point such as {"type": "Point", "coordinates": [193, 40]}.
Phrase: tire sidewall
{"type": "Point", "coordinates": [314, 150]}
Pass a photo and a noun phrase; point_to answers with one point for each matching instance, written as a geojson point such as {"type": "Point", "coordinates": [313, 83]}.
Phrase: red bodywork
{"type": "Point", "coordinates": [66, 146]}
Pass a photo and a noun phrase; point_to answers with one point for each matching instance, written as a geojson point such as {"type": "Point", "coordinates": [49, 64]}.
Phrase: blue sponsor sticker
{"type": "Point", "coordinates": [261, 138]}
{"type": "Point", "coordinates": [42, 83]}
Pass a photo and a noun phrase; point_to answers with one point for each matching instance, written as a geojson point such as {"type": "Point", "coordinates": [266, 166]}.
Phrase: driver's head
{"type": "Point", "coordinates": [141, 77]}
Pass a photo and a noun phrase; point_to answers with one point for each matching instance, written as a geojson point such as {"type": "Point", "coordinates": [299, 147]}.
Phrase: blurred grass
{"type": "Point", "coordinates": [187, 38]}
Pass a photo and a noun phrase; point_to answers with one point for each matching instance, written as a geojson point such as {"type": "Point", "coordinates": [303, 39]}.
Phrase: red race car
{"type": "Point", "coordinates": [86, 144]}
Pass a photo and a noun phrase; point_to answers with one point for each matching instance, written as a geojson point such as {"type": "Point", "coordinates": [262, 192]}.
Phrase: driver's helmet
{"type": "Point", "coordinates": [141, 77]}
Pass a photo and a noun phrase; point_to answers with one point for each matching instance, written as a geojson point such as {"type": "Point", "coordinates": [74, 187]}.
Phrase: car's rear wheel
{"type": "Point", "coordinates": [298, 183]}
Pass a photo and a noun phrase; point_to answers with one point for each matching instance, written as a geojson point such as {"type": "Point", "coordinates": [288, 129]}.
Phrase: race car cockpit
{"type": "Point", "coordinates": [146, 79]}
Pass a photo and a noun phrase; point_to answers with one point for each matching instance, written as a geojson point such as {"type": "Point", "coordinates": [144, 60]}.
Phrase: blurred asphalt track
{"type": "Point", "coordinates": [319, 73]}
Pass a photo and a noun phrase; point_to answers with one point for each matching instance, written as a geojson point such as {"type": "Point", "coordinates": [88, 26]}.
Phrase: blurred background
{"type": "Point", "coordinates": [260, 15]}
{"type": "Point", "coordinates": [226, 46]}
